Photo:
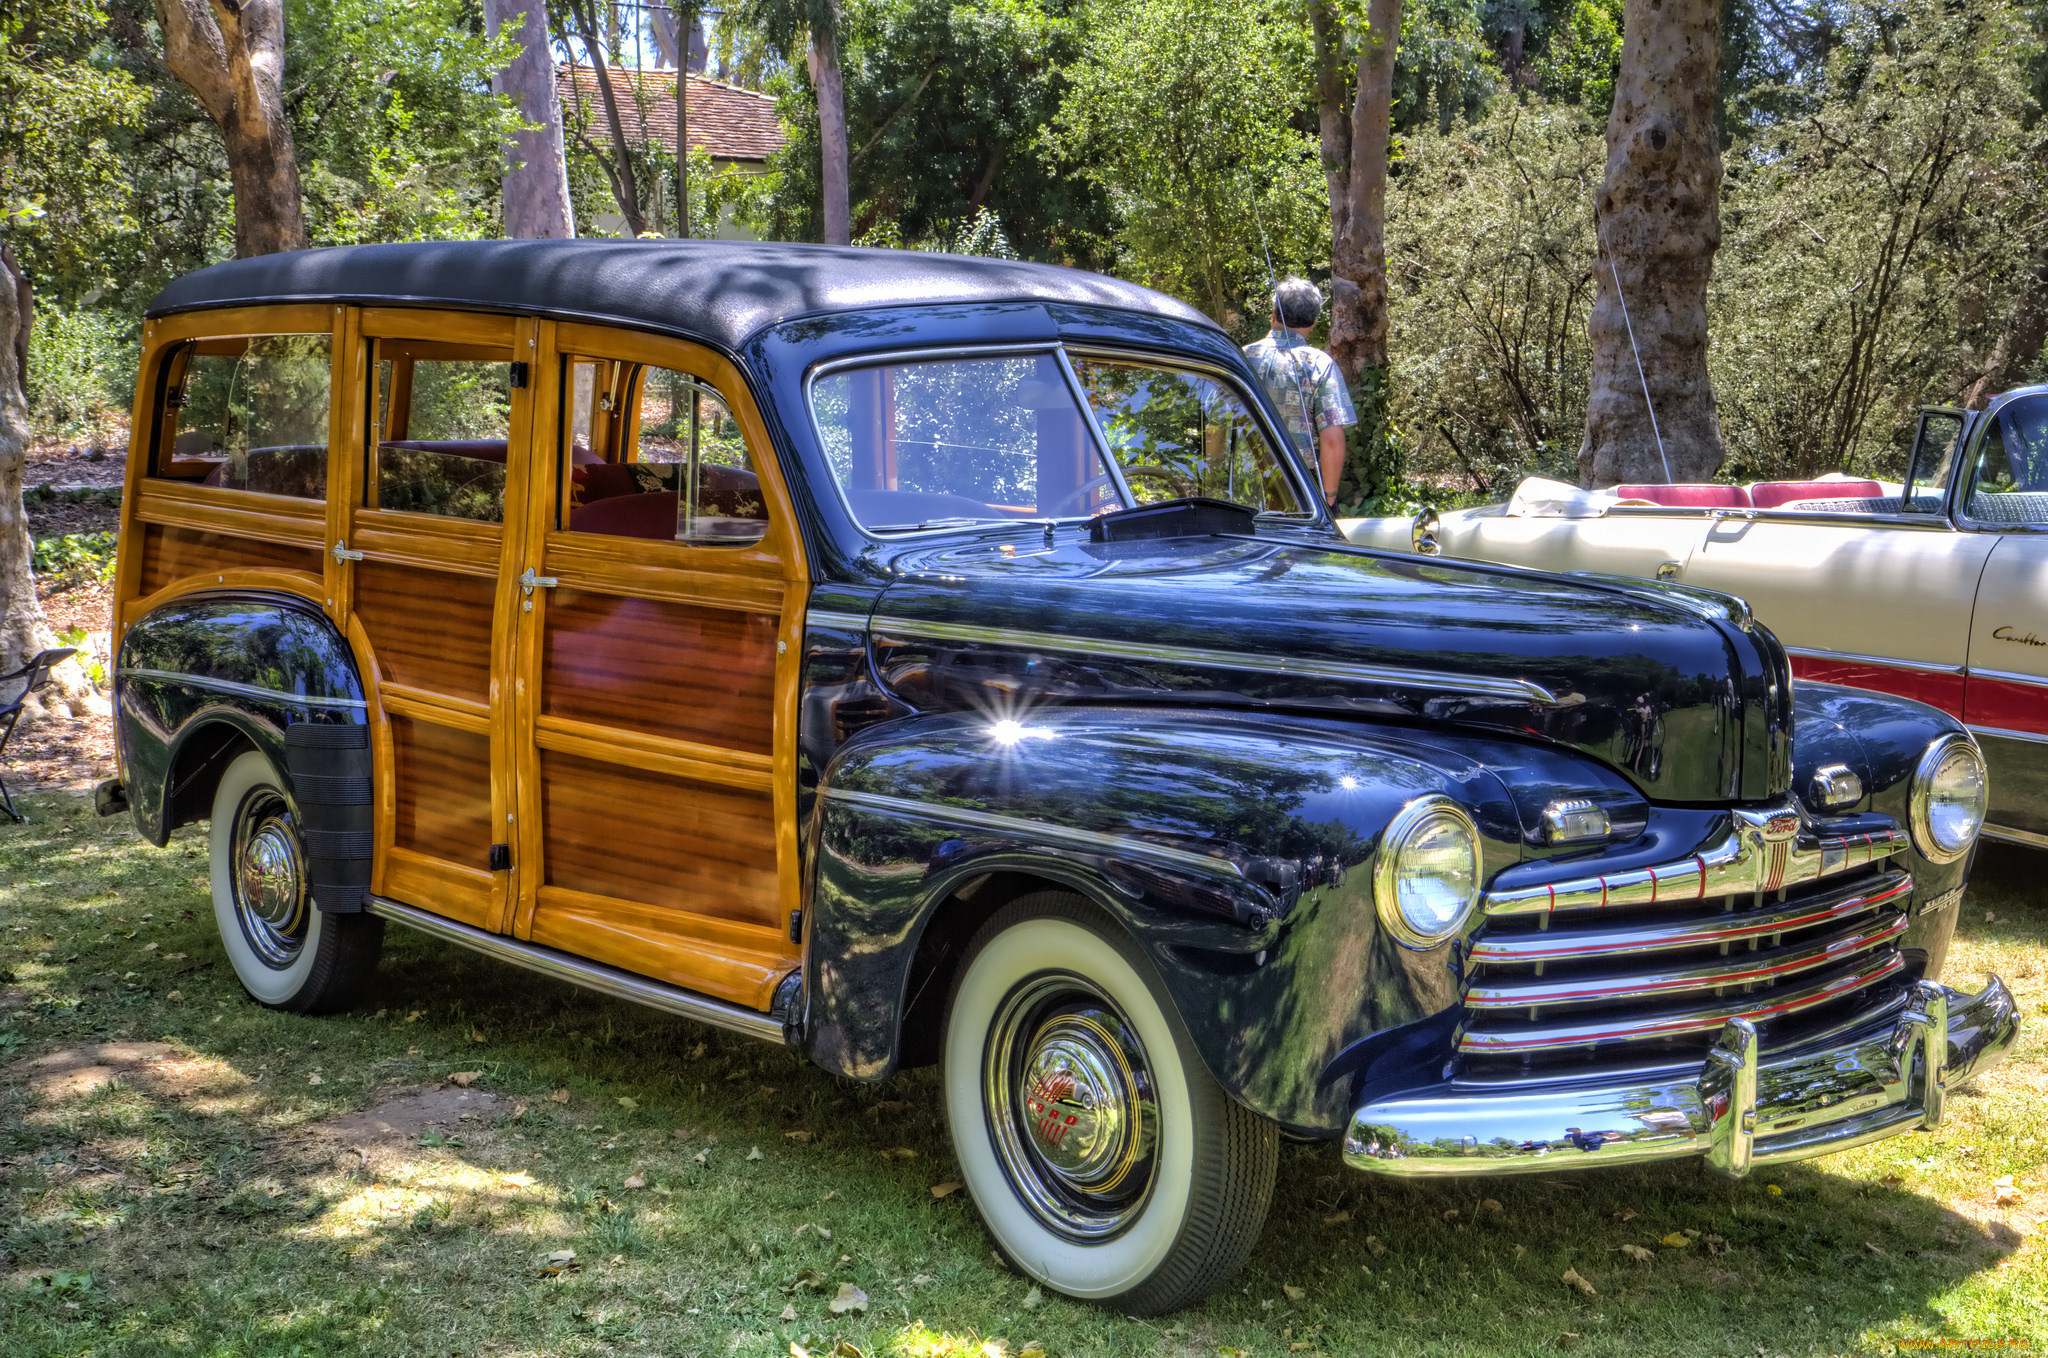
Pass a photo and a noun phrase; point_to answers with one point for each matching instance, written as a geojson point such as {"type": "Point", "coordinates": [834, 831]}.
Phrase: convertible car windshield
{"type": "Point", "coordinates": [937, 443]}
{"type": "Point", "coordinates": [2009, 483]}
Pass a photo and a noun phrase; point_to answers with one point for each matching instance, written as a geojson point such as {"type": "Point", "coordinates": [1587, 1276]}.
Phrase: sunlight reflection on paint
{"type": "Point", "coordinates": [1009, 731]}
{"type": "Point", "coordinates": [1348, 783]}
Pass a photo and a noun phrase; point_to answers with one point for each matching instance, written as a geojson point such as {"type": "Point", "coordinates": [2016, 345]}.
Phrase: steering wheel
{"type": "Point", "coordinates": [1076, 500]}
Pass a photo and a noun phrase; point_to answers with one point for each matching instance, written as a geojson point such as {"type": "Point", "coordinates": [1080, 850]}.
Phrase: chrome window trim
{"type": "Point", "coordinates": [1889, 662]}
{"type": "Point", "coordinates": [240, 689]}
{"type": "Point", "coordinates": [1092, 841]}
{"type": "Point", "coordinates": [1518, 690]}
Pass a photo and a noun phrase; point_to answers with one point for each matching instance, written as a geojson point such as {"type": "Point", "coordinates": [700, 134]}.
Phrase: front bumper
{"type": "Point", "coordinates": [1735, 1111]}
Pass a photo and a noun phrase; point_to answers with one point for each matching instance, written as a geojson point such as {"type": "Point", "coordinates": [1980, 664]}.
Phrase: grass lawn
{"type": "Point", "coordinates": [183, 1172]}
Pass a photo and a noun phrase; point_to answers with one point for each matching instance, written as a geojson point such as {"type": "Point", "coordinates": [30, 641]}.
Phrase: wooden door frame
{"type": "Point", "coordinates": [770, 577]}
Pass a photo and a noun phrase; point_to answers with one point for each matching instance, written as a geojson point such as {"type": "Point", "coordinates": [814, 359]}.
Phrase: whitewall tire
{"type": "Point", "coordinates": [1101, 1155]}
{"type": "Point", "coordinates": [286, 954]}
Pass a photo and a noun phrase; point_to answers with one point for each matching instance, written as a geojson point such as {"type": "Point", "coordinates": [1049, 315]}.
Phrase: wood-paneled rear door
{"type": "Point", "coordinates": [446, 401]}
{"type": "Point", "coordinates": [656, 675]}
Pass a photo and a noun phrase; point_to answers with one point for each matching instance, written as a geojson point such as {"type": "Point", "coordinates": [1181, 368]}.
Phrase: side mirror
{"type": "Point", "coordinates": [1422, 533]}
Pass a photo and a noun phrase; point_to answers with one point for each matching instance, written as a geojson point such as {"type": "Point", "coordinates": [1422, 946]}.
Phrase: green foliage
{"type": "Point", "coordinates": [1181, 111]}
{"type": "Point", "coordinates": [1489, 259]}
{"type": "Point", "coordinates": [1443, 70]}
{"type": "Point", "coordinates": [81, 640]}
{"type": "Point", "coordinates": [81, 367]}
{"type": "Point", "coordinates": [1579, 62]}
{"type": "Point", "coordinates": [1875, 247]}
{"type": "Point", "coordinates": [75, 558]}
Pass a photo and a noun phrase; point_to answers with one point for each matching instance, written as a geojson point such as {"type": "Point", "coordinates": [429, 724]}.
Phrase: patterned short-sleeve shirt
{"type": "Point", "coordinates": [1305, 385]}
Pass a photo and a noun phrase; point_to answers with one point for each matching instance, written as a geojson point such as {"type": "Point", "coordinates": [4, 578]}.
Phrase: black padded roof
{"type": "Point", "coordinates": [719, 291]}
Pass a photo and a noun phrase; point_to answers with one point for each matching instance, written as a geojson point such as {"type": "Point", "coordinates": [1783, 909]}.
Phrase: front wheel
{"type": "Point", "coordinates": [286, 953]}
{"type": "Point", "coordinates": [1102, 1157]}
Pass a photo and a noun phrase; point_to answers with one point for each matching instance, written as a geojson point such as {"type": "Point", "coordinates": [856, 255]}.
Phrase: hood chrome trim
{"type": "Point", "coordinates": [1475, 685]}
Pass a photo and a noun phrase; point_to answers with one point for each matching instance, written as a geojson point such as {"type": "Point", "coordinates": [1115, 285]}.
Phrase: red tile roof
{"type": "Point", "coordinates": [729, 122]}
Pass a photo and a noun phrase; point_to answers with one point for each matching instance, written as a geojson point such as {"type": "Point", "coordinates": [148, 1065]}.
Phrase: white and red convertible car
{"type": "Point", "coordinates": [1934, 589]}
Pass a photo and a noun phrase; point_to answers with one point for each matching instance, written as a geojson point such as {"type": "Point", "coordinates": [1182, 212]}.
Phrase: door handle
{"type": "Point", "coordinates": [529, 582]}
{"type": "Point", "coordinates": [342, 553]}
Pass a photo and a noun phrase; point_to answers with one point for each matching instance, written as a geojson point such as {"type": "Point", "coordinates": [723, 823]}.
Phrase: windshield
{"type": "Point", "coordinates": [2009, 480]}
{"type": "Point", "coordinates": [949, 442]}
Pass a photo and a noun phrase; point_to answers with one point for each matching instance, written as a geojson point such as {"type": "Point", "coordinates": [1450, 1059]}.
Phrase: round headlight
{"type": "Point", "coordinates": [1950, 793]}
{"type": "Point", "coordinates": [1427, 880]}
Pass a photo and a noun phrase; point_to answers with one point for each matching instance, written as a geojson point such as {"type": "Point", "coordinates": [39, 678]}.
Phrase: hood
{"type": "Point", "coordinates": [1678, 690]}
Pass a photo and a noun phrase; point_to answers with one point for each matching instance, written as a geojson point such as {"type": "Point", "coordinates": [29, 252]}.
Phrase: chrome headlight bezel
{"type": "Point", "coordinates": [1921, 802]}
{"type": "Point", "coordinates": [1401, 834]}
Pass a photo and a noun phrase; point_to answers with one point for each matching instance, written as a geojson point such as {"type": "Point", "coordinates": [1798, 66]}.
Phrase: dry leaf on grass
{"type": "Point", "coordinates": [1491, 1205]}
{"type": "Point", "coordinates": [1715, 1244]}
{"type": "Point", "coordinates": [314, 1079]}
{"type": "Point", "coordinates": [1450, 1214]}
{"type": "Point", "coordinates": [810, 1279]}
{"type": "Point", "coordinates": [1032, 1349]}
{"type": "Point", "coordinates": [558, 1263]}
{"type": "Point", "coordinates": [1293, 1293]}
{"type": "Point", "coordinates": [847, 1349]}
{"type": "Point", "coordinates": [175, 996]}
{"type": "Point", "coordinates": [899, 1153]}
{"type": "Point", "coordinates": [636, 1181]}
{"type": "Point", "coordinates": [1032, 1299]}
{"type": "Point", "coordinates": [703, 1157]}
{"type": "Point", "coordinates": [1638, 1253]}
{"type": "Point", "coordinates": [630, 1105]}
{"type": "Point", "coordinates": [559, 1096]}
{"type": "Point", "coordinates": [1521, 1250]}
{"type": "Point", "coordinates": [1337, 1218]}
{"type": "Point", "coordinates": [848, 1299]}
{"type": "Point", "coordinates": [1626, 1214]}
{"type": "Point", "coordinates": [1873, 1247]}
{"type": "Point", "coordinates": [1573, 1279]}
{"type": "Point", "coordinates": [464, 1078]}
{"type": "Point", "coordinates": [476, 1035]}
{"type": "Point", "coordinates": [1892, 1180]}
{"type": "Point", "coordinates": [946, 1189]}
{"type": "Point", "coordinates": [1677, 1240]}
{"type": "Point", "coordinates": [2006, 1192]}
{"type": "Point", "coordinates": [789, 1312]}
{"type": "Point", "coordinates": [1372, 1243]}
{"type": "Point", "coordinates": [798, 1135]}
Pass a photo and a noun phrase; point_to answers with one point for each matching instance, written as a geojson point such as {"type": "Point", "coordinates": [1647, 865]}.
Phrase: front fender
{"type": "Point", "coordinates": [1238, 850]}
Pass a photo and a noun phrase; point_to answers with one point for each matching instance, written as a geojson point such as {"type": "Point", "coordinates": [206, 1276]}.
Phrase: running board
{"type": "Point", "coordinates": [623, 985]}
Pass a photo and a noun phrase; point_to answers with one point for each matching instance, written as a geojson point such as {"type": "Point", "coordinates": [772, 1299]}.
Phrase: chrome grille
{"type": "Point", "coordinates": [1794, 932]}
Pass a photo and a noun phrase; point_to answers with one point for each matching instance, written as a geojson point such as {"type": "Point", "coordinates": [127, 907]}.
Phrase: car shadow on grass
{"type": "Point", "coordinates": [242, 1197]}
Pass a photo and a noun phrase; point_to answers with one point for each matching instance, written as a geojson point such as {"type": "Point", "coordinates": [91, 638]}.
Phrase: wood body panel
{"type": "Point", "coordinates": [677, 758]}
{"type": "Point", "coordinates": [431, 631]}
{"type": "Point", "coordinates": [443, 807]}
{"type": "Point", "coordinates": [654, 840]}
{"type": "Point", "coordinates": [459, 893]}
{"type": "Point", "coordinates": [712, 957]}
{"type": "Point", "coordinates": [170, 553]}
{"type": "Point", "coordinates": [685, 673]}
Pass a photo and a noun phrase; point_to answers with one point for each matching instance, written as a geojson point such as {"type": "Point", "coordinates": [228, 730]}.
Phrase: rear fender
{"type": "Point", "coordinates": [1237, 850]}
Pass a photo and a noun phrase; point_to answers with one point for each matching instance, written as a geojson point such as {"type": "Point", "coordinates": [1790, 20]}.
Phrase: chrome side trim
{"type": "Point", "coordinates": [1735, 1111]}
{"type": "Point", "coordinates": [239, 689]}
{"type": "Point", "coordinates": [1762, 852]}
{"type": "Point", "coordinates": [1518, 690]}
{"type": "Point", "coordinates": [622, 985]}
{"type": "Point", "coordinates": [2012, 677]}
{"type": "Point", "coordinates": [851, 622]}
{"type": "Point", "coordinates": [1888, 662]}
{"type": "Point", "coordinates": [2012, 836]}
{"type": "Point", "coordinates": [2000, 733]}
{"type": "Point", "coordinates": [1089, 841]}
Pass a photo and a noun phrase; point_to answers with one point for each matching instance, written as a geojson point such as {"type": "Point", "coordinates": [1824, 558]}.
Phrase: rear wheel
{"type": "Point", "coordinates": [286, 953]}
{"type": "Point", "coordinates": [1102, 1157]}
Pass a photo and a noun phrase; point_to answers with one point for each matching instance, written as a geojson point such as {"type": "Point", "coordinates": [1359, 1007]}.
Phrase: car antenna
{"type": "Point", "coordinates": [1641, 376]}
{"type": "Point", "coordinates": [1314, 455]}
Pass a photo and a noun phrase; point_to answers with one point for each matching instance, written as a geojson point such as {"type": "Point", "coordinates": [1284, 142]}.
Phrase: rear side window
{"type": "Point", "coordinates": [444, 419]}
{"type": "Point", "coordinates": [250, 414]}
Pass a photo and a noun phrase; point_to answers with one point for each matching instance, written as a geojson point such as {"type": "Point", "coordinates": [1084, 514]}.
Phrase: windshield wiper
{"type": "Point", "coordinates": [926, 523]}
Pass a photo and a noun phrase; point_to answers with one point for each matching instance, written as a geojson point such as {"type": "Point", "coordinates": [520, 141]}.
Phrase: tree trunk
{"type": "Point", "coordinates": [231, 56]}
{"type": "Point", "coordinates": [625, 184]}
{"type": "Point", "coordinates": [686, 28]}
{"type": "Point", "coordinates": [830, 84]}
{"type": "Point", "coordinates": [536, 188]}
{"type": "Point", "coordinates": [23, 630]}
{"type": "Point", "coordinates": [1658, 222]}
{"type": "Point", "coordinates": [1358, 246]}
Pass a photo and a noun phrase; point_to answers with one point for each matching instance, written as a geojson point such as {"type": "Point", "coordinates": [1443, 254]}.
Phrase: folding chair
{"type": "Point", "coordinates": [14, 690]}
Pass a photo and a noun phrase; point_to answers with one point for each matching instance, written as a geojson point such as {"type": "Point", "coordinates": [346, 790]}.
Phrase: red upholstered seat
{"type": "Point", "coordinates": [650, 514]}
{"type": "Point", "coordinates": [1771, 494]}
{"type": "Point", "coordinates": [1692, 496]}
{"type": "Point", "coordinates": [603, 481]}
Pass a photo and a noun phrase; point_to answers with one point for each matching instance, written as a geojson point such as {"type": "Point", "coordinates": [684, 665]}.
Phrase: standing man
{"type": "Point", "coordinates": [1304, 382]}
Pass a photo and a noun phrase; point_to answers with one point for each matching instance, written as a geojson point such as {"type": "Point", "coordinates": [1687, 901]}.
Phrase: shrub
{"type": "Point", "coordinates": [81, 368]}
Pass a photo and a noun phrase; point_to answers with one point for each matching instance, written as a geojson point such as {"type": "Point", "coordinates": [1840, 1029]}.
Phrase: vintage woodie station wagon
{"type": "Point", "coordinates": [918, 660]}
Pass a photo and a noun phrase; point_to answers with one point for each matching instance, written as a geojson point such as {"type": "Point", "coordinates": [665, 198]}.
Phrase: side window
{"type": "Point", "coordinates": [443, 419]}
{"type": "Point", "coordinates": [250, 414]}
{"type": "Point", "coordinates": [2009, 480]}
{"type": "Point", "coordinates": [655, 453]}
{"type": "Point", "coordinates": [1176, 433]}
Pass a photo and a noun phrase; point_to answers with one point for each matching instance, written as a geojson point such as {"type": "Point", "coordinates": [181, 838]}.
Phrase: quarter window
{"type": "Point", "coordinates": [251, 414]}
{"type": "Point", "coordinates": [656, 453]}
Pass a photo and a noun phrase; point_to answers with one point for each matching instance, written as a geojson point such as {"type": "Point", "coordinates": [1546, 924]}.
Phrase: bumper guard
{"type": "Point", "coordinates": [1735, 1113]}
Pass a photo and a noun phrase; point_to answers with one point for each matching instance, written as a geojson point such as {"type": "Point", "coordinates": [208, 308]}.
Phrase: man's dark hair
{"type": "Point", "coordinates": [1297, 302]}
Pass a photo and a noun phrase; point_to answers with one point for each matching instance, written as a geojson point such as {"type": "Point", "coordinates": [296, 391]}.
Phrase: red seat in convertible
{"type": "Point", "coordinates": [1772, 494]}
{"type": "Point", "coordinates": [1696, 495]}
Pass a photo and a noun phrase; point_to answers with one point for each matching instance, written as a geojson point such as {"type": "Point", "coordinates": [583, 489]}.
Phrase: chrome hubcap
{"type": "Point", "coordinates": [269, 880]}
{"type": "Point", "coordinates": [1076, 1120]}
